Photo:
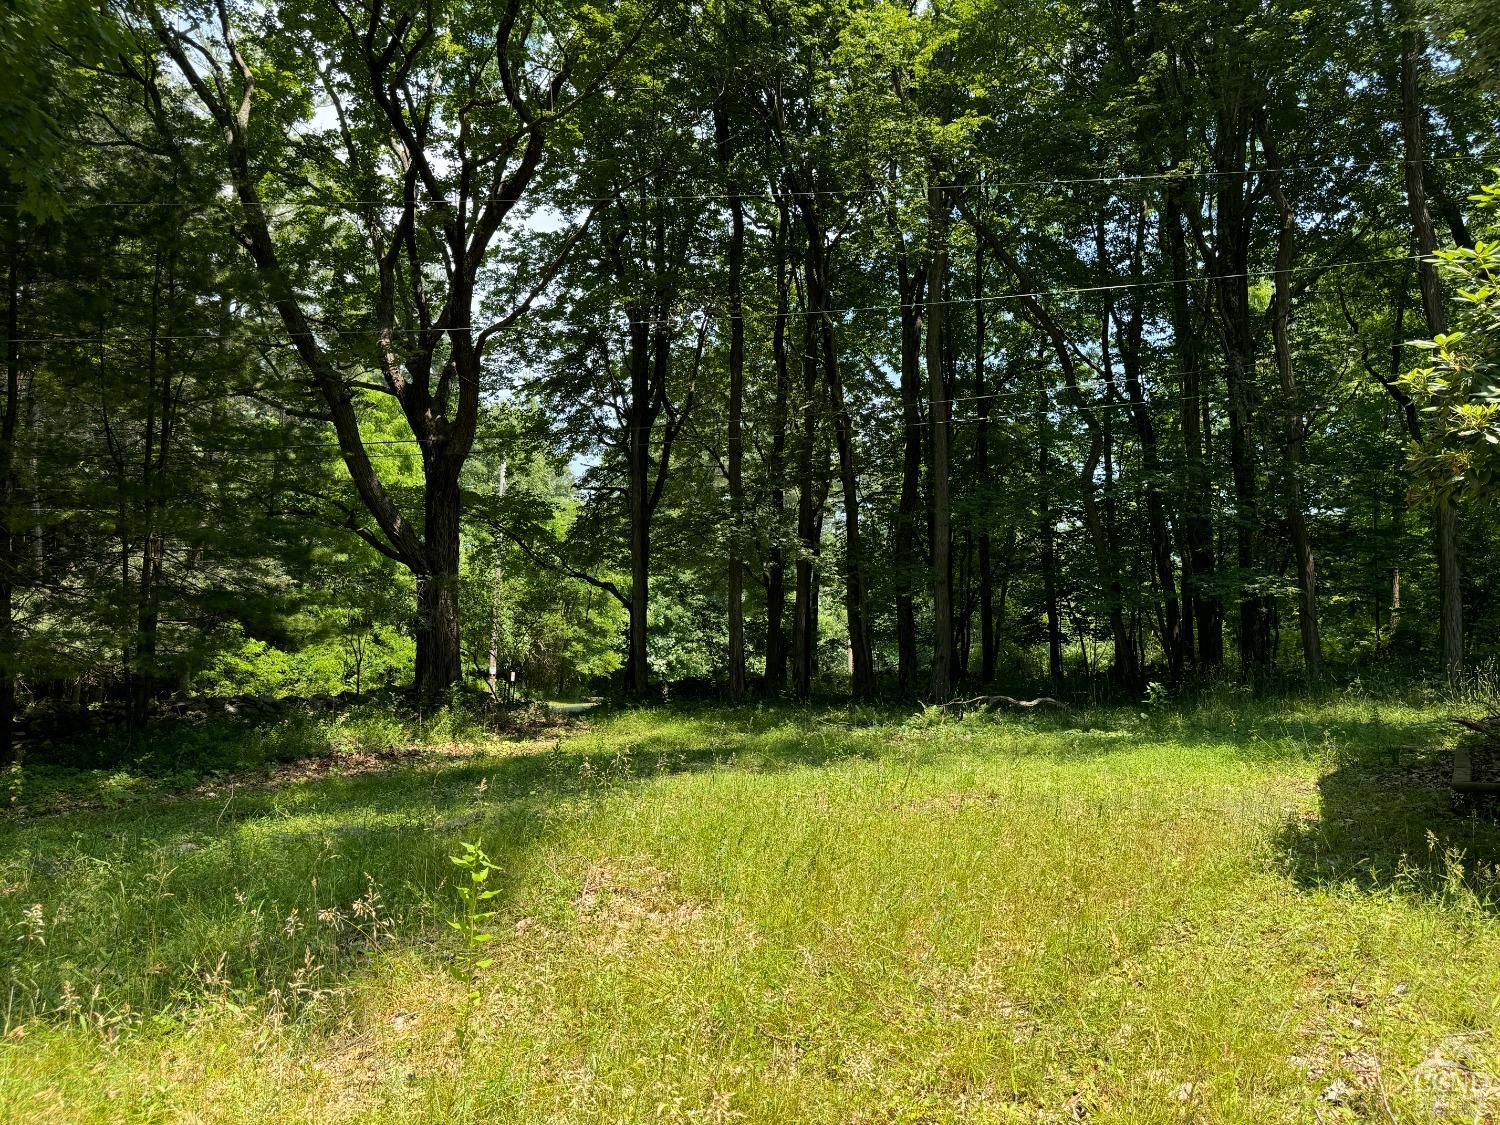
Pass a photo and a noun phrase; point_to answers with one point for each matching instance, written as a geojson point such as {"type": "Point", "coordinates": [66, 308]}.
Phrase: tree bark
{"type": "Point", "coordinates": [1413, 50]}
{"type": "Point", "coordinates": [8, 539]}
{"type": "Point", "coordinates": [640, 418]}
{"type": "Point", "coordinates": [939, 412]}
{"type": "Point", "coordinates": [736, 441]}
{"type": "Point", "coordinates": [776, 649]}
{"type": "Point", "coordinates": [1124, 668]}
{"type": "Point", "coordinates": [1452, 606]}
{"type": "Point", "coordinates": [439, 659]}
{"type": "Point", "coordinates": [805, 607]}
{"type": "Point", "coordinates": [1302, 550]}
{"type": "Point", "coordinates": [1230, 262]}
{"type": "Point", "coordinates": [143, 672]}
{"type": "Point", "coordinates": [1047, 533]}
{"type": "Point", "coordinates": [987, 628]}
{"type": "Point", "coordinates": [1129, 344]}
{"type": "Point", "coordinates": [910, 287]}
{"type": "Point", "coordinates": [1198, 561]}
{"type": "Point", "coordinates": [496, 585]}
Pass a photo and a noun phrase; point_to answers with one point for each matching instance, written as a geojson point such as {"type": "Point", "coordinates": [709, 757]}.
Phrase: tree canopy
{"type": "Point", "coordinates": [772, 347]}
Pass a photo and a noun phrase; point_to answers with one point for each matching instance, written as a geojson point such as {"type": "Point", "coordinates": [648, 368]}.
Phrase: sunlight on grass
{"type": "Point", "coordinates": [1228, 913]}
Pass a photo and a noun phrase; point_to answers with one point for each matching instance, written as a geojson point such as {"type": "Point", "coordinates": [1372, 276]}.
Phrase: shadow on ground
{"type": "Point", "coordinates": [242, 882]}
{"type": "Point", "coordinates": [1389, 822]}
{"type": "Point", "coordinates": [241, 885]}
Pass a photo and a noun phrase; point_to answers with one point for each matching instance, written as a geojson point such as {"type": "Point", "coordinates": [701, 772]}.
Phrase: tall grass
{"type": "Point", "coordinates": [1236, 910]}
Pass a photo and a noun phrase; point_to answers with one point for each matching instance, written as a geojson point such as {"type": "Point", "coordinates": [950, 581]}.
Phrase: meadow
{"type": "Point", "coordinates": [1230, 910]}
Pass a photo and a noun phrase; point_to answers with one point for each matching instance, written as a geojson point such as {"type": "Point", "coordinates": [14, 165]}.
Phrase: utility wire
{"type": "Point", "coordinates": [759, 315]}
{"type": "Point", "coordinates": [1054, 406]}
{"type": "Point", "coordinates": [1183, 173]}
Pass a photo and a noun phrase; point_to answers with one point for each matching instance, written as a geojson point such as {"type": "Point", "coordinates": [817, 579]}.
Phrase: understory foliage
{"type": "Point", "coordinates": [1460, 389]}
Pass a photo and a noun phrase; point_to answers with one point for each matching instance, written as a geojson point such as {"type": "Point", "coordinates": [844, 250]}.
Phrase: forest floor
{"type": "Point", "coordinates": [1225, 911]}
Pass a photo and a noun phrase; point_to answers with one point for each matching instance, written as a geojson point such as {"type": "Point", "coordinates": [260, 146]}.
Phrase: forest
{"type": "Point", "coordinates": [892, 351]}
{"type": "Point", "coordinates": [606, 485]}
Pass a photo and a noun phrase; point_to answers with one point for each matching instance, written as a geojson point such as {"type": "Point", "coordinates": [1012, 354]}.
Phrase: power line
{"type": "Point", "coordinates": [709, 314]}
{"type": "Point", "coordinates": [271, 454]}
{"type": "Point", "coordinates": [1054, 404]}
{"type": "Point", "coordinates": [1182, 173]}
{"type": "Point", "coordinates": [1112, 287]}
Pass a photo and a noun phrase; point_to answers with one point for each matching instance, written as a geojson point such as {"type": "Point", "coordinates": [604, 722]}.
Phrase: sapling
{"type": "Point", "coordinates": [473, 893]}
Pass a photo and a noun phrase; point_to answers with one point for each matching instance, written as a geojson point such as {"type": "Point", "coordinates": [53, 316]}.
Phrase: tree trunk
{"type": "Point", "coordinates": [860, 645]}
{"type": "Point", "coordinates": [964, 602]}
{"type": "Point", "coordinates": [9, 544]}
{"type": "Point", "coordinates": [1398, 525]}
{"type": "Point", "coordinates": [805, 610]}
{"type": "Point", "coordinates": [1105, 563]}
{"type": "Point", "coordinates": [1452, 607]}
{"type": "Point", "coordinates": [736, 442]}
{"type": "Point", "coordinates": [987, 634]}
{"type": "Point", "coordinates": [641, 419]}
{"type": "Point", "coordinates": [775, 681]}
{"type": "Point", "coordinates": [819, 294]}
{"type": "Point", "coordinates": [1198, 563]}
{"type": "Point", "coordinates": [1175, 643]}
{"type": "Point", "coordinates": [496, 580]}
{"type": "Point", "coordinates": [939, 411]}
{"type": "Point", "coordinates": [1234, 217]}
{"type": "Point", "coordinates": [907, 565]}
{"type": "Point", "coordinates": [1307, 579]}
{"type": "Point", "coordinates": [1123, 666]}
{"type": "Point", "coordinates": [1047, 532]}
{"type": "Point", "coordinates": [439, 657]}
{"type": "Point", "coordinates": [144, 674]}
{"type": "Point", "coordinates": [1413, 49]}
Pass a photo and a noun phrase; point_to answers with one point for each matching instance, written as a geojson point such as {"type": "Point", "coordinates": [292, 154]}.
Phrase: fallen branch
{"type": "Point", "coordinates": [1489, 728]}
{"type": "Point", "coordinates": [995, 702]}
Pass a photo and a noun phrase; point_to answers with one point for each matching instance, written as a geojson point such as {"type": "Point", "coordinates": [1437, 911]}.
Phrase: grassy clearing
{"type": "Point", "coordinates": [1229, 912]}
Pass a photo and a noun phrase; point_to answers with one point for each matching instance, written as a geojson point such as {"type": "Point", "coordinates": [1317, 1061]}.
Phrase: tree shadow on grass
{"type": "Point", "coordinates": [259, 887]}
{"type": "Point", "coordinates": [1389, 822]}
{"type": "Point", "coordinates": [1251, 732]}
{"type": "Point", "coordinates": [259, 890]}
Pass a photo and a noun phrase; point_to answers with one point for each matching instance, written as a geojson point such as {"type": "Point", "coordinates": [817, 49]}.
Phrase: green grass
{"type": "Point", "coordinates": [1232, 911]}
